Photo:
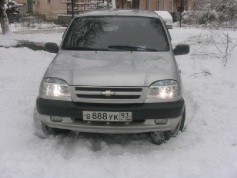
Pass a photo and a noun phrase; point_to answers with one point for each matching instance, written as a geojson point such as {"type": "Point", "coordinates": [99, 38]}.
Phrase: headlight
{"type": "Point", "coordinates": [164, 89]}
{"type": "Point", "coordinates": [54, 87]}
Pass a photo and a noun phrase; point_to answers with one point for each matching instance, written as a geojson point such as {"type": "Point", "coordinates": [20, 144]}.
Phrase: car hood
{"type": "Point", "coordinates": [109, 68]}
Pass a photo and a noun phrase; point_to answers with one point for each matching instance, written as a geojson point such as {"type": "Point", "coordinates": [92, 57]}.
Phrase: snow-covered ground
{"type": "Point", "coordinates": [207, 148]}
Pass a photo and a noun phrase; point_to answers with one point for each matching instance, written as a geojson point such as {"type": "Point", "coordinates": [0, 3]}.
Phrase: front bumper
{"type": "Point", "coordinates": [113, 128]}
{"type": "Point", "coordinates": [140, 111]}
{"type": "Point", "coordinates": [144, 116]}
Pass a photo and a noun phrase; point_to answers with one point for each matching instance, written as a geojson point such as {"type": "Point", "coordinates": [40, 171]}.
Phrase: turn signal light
{"type": "Point", "coordinates": [56, 119]}
{"type": "Point", "coordinates": [161, 121]}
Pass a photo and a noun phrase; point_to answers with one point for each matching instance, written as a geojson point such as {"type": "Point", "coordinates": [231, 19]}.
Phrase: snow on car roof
{"type": "Point", "coordinates": [165, 15]}
{"type": "Point", "coordinates": [120, 12]}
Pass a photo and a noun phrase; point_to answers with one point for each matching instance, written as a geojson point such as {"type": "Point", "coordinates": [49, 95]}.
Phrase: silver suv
{"type": "Point", "coordinates": [114, 72]}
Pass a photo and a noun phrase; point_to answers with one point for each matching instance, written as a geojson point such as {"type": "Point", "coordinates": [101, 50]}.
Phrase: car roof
{"type": "Point", "coordinates": [117, 12]}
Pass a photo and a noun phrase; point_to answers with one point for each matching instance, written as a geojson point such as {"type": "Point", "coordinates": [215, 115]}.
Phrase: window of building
{"type": "Point", "coordinates": [157, 5]}
{"type": "Point", "coordinates": [186, 4]}
{"type": "Point", "coordinates": [164, 5]}
{"type": "Point", "coordinates": [147, 4]}
{"type": "Point", "coordinates": [135, 4]}
{"type": "Point", "coordinates": [171, 5]}
{"type": "Point", "coordinates": [48, 1]}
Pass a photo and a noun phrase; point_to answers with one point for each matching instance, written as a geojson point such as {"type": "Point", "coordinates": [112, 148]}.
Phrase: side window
{"type": "Point", "coordinates": [169, 36]}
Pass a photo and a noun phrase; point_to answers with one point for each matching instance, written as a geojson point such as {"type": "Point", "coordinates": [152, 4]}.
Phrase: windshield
{"type": "Point", "coordinates": [116, 33]}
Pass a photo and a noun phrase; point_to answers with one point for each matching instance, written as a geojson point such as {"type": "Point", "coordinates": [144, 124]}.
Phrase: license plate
{"type": "Point", "coordinates": [107, 116]}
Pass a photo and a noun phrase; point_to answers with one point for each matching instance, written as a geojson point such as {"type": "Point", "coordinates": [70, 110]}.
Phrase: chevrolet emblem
{"type": "Point", "coordinates": [107, 93]}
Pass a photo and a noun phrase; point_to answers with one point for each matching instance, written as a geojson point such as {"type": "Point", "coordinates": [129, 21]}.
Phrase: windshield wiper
{"type": "Point", "coordinates": [125, 47]}
{"type": "Point", "coordinates": [131, 48]}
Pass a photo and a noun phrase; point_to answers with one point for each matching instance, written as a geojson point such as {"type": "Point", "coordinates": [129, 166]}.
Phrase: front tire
{"type": "Point", "coordinates": [181, 128]}
{"type": "Point", "coordinates": [161, 137]}
{"type": "Point", "coordinates": [158, 137]}
{"type": "Point", "coordinates": [44, 131]}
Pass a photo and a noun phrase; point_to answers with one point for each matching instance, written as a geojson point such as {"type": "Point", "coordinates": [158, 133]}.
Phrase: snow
{"type": "Point", "coordinates": [166, 16]}
{"type": "Point", "coordinates": [207, 147]}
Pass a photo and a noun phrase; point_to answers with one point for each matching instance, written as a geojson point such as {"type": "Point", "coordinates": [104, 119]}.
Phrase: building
{"type": "Point", "coordinates": [155, 5]}
{"type": "Point", "coordinates": [51, 8]}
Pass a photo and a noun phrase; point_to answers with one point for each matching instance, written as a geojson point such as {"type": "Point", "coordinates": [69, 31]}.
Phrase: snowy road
{"type": "Point", "coordinates": [207, 148]}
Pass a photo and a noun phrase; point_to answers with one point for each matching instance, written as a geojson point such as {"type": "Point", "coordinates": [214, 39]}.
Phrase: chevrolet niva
{"type": "Point", "coordinates": [114, 72]}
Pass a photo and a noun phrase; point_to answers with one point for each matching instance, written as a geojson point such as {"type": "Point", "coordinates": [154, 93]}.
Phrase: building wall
{"type": "Point", "coordinates": [164, 5]}
{"type": "Point", "coordinates": [155, 5]}
{"type": "Point", "coordinates": [191, 4]}
{"type": "Point", "coordinates": [49, 8]}
{"type": "Point", "coordinates": [21, 1]}
{"type": "Point", "coordinates": [123, 4]}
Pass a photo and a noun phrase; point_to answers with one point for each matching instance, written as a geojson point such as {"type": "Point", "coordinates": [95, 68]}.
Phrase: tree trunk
{"type": "Point", "coordinates": [3, 19]}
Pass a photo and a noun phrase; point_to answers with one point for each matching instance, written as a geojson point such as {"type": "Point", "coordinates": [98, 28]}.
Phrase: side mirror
{"type": "Point", "coordinates": [181, 49]}
{"type": "Point", "coordinates": [51, 47]}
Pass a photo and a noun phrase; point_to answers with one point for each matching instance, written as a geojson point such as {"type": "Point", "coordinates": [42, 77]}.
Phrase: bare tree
{"type": "Point", "coordinates": [212, 13]}
{"type": "Point", "coordinates": [3, 19]}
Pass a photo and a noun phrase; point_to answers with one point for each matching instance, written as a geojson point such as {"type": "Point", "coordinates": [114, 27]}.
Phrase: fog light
{"type": "Point", "coordinates": [161, 121]}
{"type": "Point", "coordinates": [56, 118]}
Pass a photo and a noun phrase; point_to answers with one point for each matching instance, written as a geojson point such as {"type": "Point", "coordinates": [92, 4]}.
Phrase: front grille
{"type": "Point", "coordinates": [113, 89]}
{"type": "Point", "coordinates": [109, 97]}
{"type": "Point", "coordinates": [107, 94]}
